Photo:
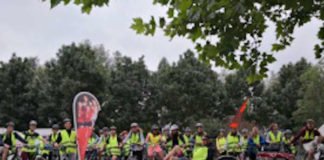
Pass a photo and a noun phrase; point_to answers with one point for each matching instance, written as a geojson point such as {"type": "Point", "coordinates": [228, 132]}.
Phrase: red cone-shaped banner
{"type": "Point", "coordinates": [85, 113]}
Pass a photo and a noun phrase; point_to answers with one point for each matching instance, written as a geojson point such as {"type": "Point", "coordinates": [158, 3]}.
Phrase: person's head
{"type": "Point", "coordinates": [32, 125]}
{"type": "Point", "coordinates": [123, 134]}
{"type": "Point", "coordinates": [200, 128]}
{"type": "Point", "coordinates": [100, 132]}
{"type": "Point", "coordinates": [113, 130]}
{"type": "Point", "coordinates": [245, 132]}
{"type": "Point", "coordinates": [67, 123]}
{"type": "Point", "coordinates": [105, 131]}
{"type": "Point", "coordinates": [155, 129]}
{"type": "Point", "coordinates": [134, 127]}
{"type": "Point", "coordinates": [187, 131]}
{"type": "Point", "coordinates": [255, 131]}
{"type": "Point", "coordinates": [10, 126]}
{"type": "Point", "coordinates": [221, 133]}
{"type": "Point", "coordinates": [274, 127]}
{"type": "Point", "coordinates": [310, 123]}
{"type": "Point", "coordinates": [174, 129]}
{"type": "Point", "coordinates": [55, 128]}
{"type": "Point", "coordinates": [166, 130]}
{"type": "Point", "coordinates": [233, 130]}
{"type": "Point", "coordinates": [288, 133]}
{"type": "Point", "coordinates": [204, 140]}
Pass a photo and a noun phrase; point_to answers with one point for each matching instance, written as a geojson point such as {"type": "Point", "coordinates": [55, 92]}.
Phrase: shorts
{"type": "Point", "coordinates": [152, 149]}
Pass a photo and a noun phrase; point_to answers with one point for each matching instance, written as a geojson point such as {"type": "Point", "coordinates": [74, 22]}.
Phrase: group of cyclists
{"type": "Point", "coordinates": [167, 143]}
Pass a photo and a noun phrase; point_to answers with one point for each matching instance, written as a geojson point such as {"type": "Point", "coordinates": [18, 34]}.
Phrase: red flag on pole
{"type": "Point", "coordinates": [85, 112]}
{"type": "Point", "coordinates": [237, 118]}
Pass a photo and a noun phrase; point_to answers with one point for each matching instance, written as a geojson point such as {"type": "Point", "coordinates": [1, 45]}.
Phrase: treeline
{"type": "Point", "coordinates": [184, 92]}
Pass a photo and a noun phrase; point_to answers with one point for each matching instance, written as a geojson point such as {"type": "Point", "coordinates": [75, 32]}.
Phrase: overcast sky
{"type": "Point", "coordinates": [30, 28]}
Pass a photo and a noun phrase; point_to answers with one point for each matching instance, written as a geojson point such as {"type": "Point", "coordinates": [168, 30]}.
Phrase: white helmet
{"type": "Point", "coordinates": [174, 127]}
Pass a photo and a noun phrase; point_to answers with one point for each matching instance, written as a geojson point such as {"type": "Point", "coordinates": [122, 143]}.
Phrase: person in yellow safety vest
{"type": "Point", "coordinates": [67, 140]}
{"type": "Point", "coordinates": [51, 140]}
{"type": "Point", "coordinates": [286, 140]}
{"type": "Point", "coordinates": [9, 139]}
{"type": "Point", "coordinates": [244, 142]}
{"type": "Point", "coordinates": [274, 136]}
{"type": "Point", "coordinates": [188, 142]}
{"type": "Point", "coordinates": [154, 139]}
{"type": "Point", "coordinates": [175, 142]}
{"type": "Point", "coordinates": [202, 152]}
{"type": "Point", "coordinates": [165, 135]}
{"type": "Point", "coordinates": [102, 141]}
{"type": "Point", "coordinates": [197, 138]}
{"type": "Point", "coordinates": [136, 140]}
{"type": "Point", "coordinates": [114, 143]}
{"type": "Point", "coordinates": [34, 142]}
{"type": "Point", "coordinates": [233, 142]}
{"type": "Point", "coordinates": [126, 146]}
{"type": "Point", "coordinates": [308, 134]}
{"type": "Point", "coordinates": [221, 142]}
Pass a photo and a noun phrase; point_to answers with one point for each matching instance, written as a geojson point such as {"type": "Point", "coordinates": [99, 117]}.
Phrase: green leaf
{"type": "Point", "coordinates": [66, 2]}
{"type": "Point", "coordinates": [138, 25]}
{"type": "Point", "coordinates": [170, 12]}
{"type": "Point", "coordinates": [184, 4]}
{"type": "Point", "coordinates": [162, 22]}
{"type": "Point", "coordinates": [277, 47]}
{"type": "Point", "coordinates": [54, 3]}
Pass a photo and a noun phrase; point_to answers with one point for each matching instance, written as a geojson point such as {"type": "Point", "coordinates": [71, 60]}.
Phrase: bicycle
{"type": "Point", "coordinates": [135, 148]}
{"type": "Point", "coordinates": [91, 153]}
{"type": "Point", "coordinates": [68, 156]}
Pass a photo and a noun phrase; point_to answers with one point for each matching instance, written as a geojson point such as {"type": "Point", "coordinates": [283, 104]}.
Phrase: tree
{"type": "Point", "coordinates": [238, 27]}
{"type": "Point", "coordinates": [129, 93]}
{"type": "Point", "coordinates": [311, 105]}
{"type": "Point", "coordinates": [283, 91]}
{"type": "Point", "coordinates": [186, 91]}
{"type": "Point", "coordinates": [78, 67]}
{"type": "Point", "coordinates": [19, 96]}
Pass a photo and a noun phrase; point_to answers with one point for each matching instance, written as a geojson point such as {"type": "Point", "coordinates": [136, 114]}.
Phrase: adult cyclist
{"type": "Point", "coordinates": [308, 134]}
{"type": "Point", "coordinates": [9, 140]}
{"type": "Point", "coordinates": [34, 142]}
{"type": "Point", "coordinates": [136, 140]}
{"type": "Point", "coordinates": [154, 139]}
{"type": "Point", "coordinates": [67, 141]}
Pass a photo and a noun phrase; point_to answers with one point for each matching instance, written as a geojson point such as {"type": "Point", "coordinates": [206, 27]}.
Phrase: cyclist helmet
{"type": "Point", "coordinates": [155, 127]}
{"type": "Point", "coordinates": [105, 129]}
{"type": "Point", "coordinates": [33, 122]}
{"type": "Point", "coordinates": [134, 125]}
{"type": "Point", "coordinates": [10, 124]}
{"type": "Point", "coordinates": [113, 128]}
{"type": "Point", "coordinates": [187, 129]}
{"type": "Point", "coordinates": [174, 127]}
{"type": "Point", "coordinates": [199, 125]}
{"type": "Point", "coordinates": [67, 120]}
{"type": "Point", "coordinates": [221, 130]}
{"type": "Point", "coordinates": [55, 126]}
{"type": "Point", "coordinates": [244, 130]}
{"type": "Point", "coordinates": [288, 132]}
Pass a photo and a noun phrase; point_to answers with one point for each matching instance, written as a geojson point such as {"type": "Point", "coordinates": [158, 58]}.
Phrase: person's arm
{"type": "Point", "coordinates": [262, 141]}
{"type": "Point", "coordinates": [142, 137]}
{"type": "Point", "coordinates": [268, 138]}
{"type": "Point", "coordinates": [147, 139]}
{"type": "Point", "coordinates": [59, 138]}
{"type": "Point", "coordinates": [300, 134]}
{"type": "Point", "coordinates": [126, 139]}
{"type": "Point", "coordinates": [21, 139]}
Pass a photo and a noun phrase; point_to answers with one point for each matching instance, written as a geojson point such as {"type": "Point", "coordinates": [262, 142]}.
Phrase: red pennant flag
{"type": "Point", "coordinates": [237, 119]}
{"type": "Point", "coordinates": [85, 112]}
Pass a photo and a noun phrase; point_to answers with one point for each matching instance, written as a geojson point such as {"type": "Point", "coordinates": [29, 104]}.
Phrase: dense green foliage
{"type": "Point", "coordinates": [237, 27]}
{"type": "Point", "coordinates": [184, 92]}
